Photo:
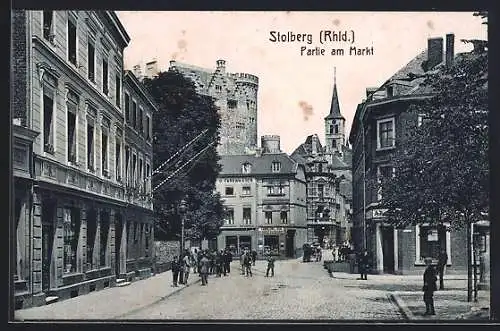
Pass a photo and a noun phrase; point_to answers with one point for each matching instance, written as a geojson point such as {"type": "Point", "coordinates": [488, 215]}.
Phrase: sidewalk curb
{"type": "Point", "coordinates": [403, 308]}
{"type": "Point", "coordinates": [175, 291]}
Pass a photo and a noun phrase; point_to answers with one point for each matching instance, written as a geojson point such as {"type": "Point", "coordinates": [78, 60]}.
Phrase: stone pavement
{"type": "Point", "coordinates": [448, 304]}
{"type": "Point", "coordinates": [298, 291]}
{"type": "Point", "coordinates": [109, 303]}
{"type": "Point", "coordinates": [406, 292]}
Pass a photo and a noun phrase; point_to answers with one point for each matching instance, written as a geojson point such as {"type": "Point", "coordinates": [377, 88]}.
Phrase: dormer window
{"type": "Point", "coordinates": [390, 91]}
{"type": "Point", "coordinates": [246, 168]}
{"type": "Point", "coordinates": [276, 166]}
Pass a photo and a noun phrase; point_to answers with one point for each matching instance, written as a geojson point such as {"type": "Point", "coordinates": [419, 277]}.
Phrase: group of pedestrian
{"type": "Point", "coordinates": [247, 260]}
{"type": "Point", "coordinates": [204, 263]}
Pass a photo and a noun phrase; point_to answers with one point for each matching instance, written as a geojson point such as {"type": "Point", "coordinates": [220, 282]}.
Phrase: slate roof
{"type": "Point", "coordinates": [334, 106]}
{"type": "Point", "coordinates": [346, 188]}
{"type": "Point", "coordinates": [261, 165]}
{"type": "Point", "coordinates": [338, 163]}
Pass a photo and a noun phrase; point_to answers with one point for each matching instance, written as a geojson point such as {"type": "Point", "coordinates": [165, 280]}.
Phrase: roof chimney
{"type": "Point", "coordinates": [450, 49]}
{"type": "Point", "coordinates": [152, 69]}
{"type": "Point", "coordinates": [434, 52]}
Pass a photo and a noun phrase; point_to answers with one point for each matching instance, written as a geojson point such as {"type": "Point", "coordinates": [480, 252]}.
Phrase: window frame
{"type": "Point", "coordinates": [243, 189]}
{"type": "Point", "coordinates": [285, 219]}
{"type": "Point", "coordinates": [75, 139]}
{"type": "Point", "coordinates": [276, 166]}
{"type": "Point", "coordinates": [74, 22]}
{"type": "Point", "coordinates": [247, 221]}
{"type": "Point", "coordinates": [269, 220]}
{"type": "Point", "coordinates": [118, 90]}
{"type": "Point", "coordinates": [381, 121]}
{"type": "Point", "coordinates": [118, 160]}
{"type": "Point", "coordinates": [418, 260]}
{"type": "Point", "coordinates": [51, 31]}
{"type": "Point", "coordinates": [226, 190]}
{"type": "Point", "coordinates": [91, 42]}
{"type": "Point", "coordinates": [90, 122]}
{"type": "Point", "coordinates": [105, 171]}
{"type": "Point", "coordinates": [49, 92]}
{"type": "Point", "coordinates": [246, 168]}
{"type": "Point", "coordinates": [105, 87]}
{"type": "Point", "coordinates": [229, 220]}
{"type": "Point", "coordinates": [127, 107]}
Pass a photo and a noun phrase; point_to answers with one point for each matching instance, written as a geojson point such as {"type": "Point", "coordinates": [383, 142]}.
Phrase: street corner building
{"type": "Point", "coordinates": [83, 214]}
{"type": "Point", "coordinates": [264, 196]}
{"type": "Point", "coordinates": [235, 95]}
{"type": "Point", "coordinates": [329, 180]}
{"type": "Point", "coordinates": [378, 129]}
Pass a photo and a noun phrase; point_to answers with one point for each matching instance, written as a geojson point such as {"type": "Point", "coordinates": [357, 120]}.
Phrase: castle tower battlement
{"type": "Point", "coordinates": [236, 96]}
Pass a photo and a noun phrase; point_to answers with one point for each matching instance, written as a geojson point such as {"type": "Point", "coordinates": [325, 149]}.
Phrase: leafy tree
{"type": "Point", "coordinates": [184, 114]}
{"type": "Point", "coordinates": [442, 169]}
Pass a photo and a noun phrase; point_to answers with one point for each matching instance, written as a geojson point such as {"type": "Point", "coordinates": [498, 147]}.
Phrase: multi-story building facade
{"type": "Point", "coordinates": [378, 129]}
{"type": "Point", "coordinates": [74, 216]}
{"type": "Point", "coordinates": [236, 96]}
{"type": "Point", "coordinates": [264, 197]}
{"type": "Point", "coordinates": [328, 176]}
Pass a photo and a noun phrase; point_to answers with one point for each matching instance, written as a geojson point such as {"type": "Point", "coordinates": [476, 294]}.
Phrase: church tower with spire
{"type": "Point", "coordinates": [334, 123]}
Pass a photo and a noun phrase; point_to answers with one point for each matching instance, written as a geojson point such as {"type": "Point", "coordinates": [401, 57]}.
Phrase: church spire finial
{"type": "Point", "coordinates": [334, 75]}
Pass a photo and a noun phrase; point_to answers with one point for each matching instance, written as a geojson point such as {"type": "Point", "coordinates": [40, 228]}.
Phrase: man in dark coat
{"type": "Point", "coordinates": [254, 257]}
{"type": "Point", "coordinates": [270, 265]}
{"type": "Point", "coordinates": [227, 259]}
{"type": "Point", "coordinates": [247, 263]}
{"type": "Point", "coordinates": [364, 264]}
{"type": "Point", "coordinates": [181, 269]}
{"type": "Point", "coordinates": [176, 267]}
{"type": "Point", "coordinates": [442, 260]}
{"type": "Point", "coordinates": [218, 263]}
{"type": "Point", "coordinates": [429, 287]}
{"type": "Point", "coordinates": [204, 268]}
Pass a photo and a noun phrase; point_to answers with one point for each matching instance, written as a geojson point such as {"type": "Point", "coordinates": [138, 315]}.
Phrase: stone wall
{"type": "Point", "coordinates": [164, 254]}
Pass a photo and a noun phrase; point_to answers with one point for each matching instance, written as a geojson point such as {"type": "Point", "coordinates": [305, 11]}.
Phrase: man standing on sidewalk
{"type": "Point", "coordinates": [364, 264]}
{"type": "Point", "coordinates": [187, 266]}
{"type": "Point", "coordinates": [247, 262]}
{"type": "Point", "coordinates": [270, 265]}
{"type": "Point", "coordinates": [254, 257]}
{"type": "Point", "coordinates": [227, 258]}
{"type": "Point", "coordinates": [429, 286]}
{"type": "Point", "coordinates": [181, 269]}
{"type": "Point", "coordinates": [175, 270]}
{"type": "Point", "coordinates": [204, 266]}
{"type": "Point", "coordinates": [442, 260]}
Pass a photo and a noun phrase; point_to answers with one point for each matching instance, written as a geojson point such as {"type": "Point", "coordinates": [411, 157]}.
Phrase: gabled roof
{"type": "Point", "coordinates": [260, 165]}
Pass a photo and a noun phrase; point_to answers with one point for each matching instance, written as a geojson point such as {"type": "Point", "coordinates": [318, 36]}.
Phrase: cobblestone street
{"type": "Point", "coordinates": [298, 291]}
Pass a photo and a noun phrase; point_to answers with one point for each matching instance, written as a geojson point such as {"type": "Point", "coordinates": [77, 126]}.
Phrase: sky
{"type": "Point", "coordinates": [295, 89]}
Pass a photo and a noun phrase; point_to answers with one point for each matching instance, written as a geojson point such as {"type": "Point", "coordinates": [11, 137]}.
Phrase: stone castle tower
{"type": "Point", "coordinates": [334, 124]}
{"type": "Point", "coordinates": [236, 96]}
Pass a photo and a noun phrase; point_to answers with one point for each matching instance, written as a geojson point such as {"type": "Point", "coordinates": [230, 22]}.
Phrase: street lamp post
{"type": "Point", "coordinates": [182, 211]}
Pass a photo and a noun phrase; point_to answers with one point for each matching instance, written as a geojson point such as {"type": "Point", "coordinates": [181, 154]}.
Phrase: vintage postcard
{"type": "Point", "coordinates": [207, 165]}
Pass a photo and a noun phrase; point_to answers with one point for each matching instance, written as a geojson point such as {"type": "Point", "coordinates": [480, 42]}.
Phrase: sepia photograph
{"type": "Point", "coordinates": [249, 166]}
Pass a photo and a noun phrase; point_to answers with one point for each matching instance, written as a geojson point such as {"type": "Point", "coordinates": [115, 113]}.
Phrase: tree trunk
{"type": "Point", "coordinates": [469, 262]}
